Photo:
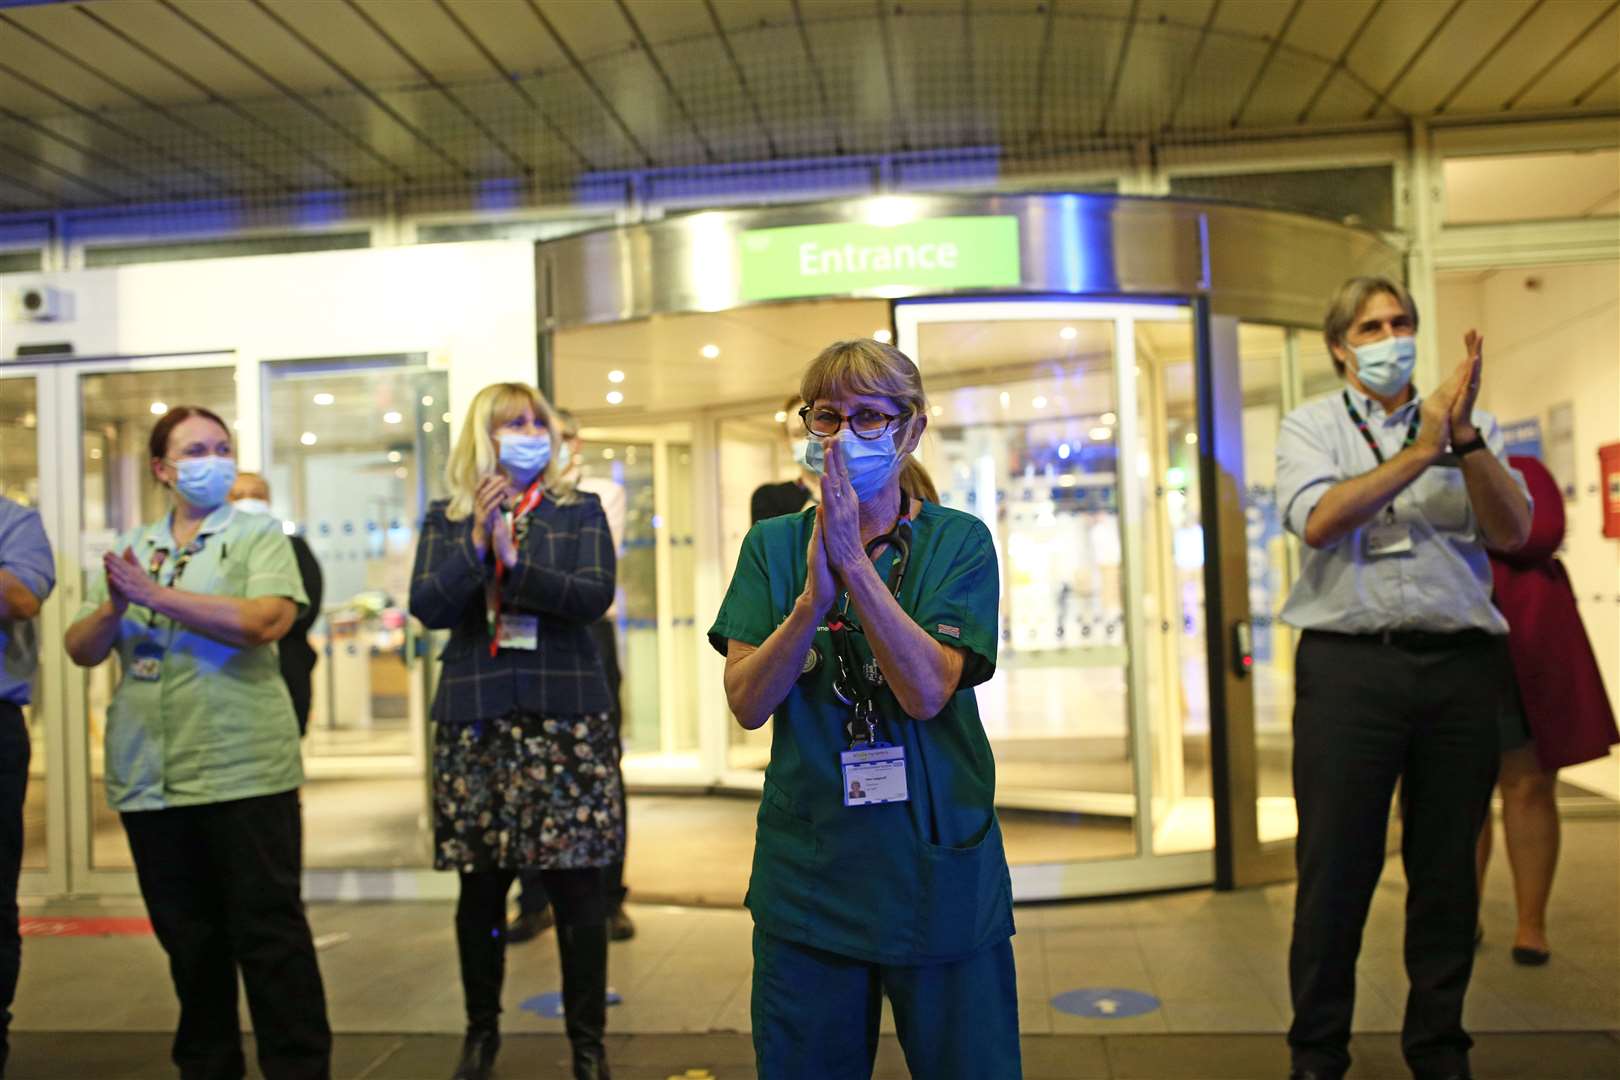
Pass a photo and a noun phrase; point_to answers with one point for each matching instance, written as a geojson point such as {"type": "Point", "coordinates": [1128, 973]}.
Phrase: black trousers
{"type": "Point", "coordinates": [222, 885]}
{"type": "Point", "coordinates": [532, 894]}
{"type": "Point", "coordinates": [14, 754]}
{"type": "Point", "coordinates": [1369, 713]}
{"type": "Point", "coordinates": [481, 929]}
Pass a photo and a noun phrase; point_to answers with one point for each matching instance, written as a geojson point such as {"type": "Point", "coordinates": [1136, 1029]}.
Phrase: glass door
{"type": "Point", "coordinates": [106, 410]}
{"type": "Point", "coordinates": [356, 449]}
{"type": "Point", "coordinates": [28, 478]}
{"type": "Point", "coordinates": [1070, 429]}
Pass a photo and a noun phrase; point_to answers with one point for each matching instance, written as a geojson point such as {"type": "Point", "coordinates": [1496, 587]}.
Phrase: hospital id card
{"type": "Point", "coordinates": [875, 774]}
{"type": "Point", "coordinates": [518, 632]}
{"type": "Point", "coordinates": [1388, 537]}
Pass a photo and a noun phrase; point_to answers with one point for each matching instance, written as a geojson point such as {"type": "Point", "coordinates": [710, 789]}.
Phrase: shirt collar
{"type": "Point", "coordinates": [221, 516]}
{"type": "Point", "coordinates": [1373, 409]}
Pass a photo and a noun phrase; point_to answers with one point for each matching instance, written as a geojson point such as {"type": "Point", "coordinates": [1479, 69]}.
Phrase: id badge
{"type": "Point", "coordinates": [874, 774]}
{"type": "Point", "coordinates": [147, 663]}
{"type": "Point", "coordinates": [518, 632]}
{"type": "Point", "coordinates": [1388, 537]}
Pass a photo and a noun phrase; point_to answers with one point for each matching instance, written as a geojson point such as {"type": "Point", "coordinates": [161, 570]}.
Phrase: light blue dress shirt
{"type": "Point", "coordinates": [1441, 585]}
{"type": "Point", "coordinates": [25, 554]}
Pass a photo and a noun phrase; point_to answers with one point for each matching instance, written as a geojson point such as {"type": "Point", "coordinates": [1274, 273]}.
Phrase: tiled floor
{"type": "Point", "coordinates": [1215, 961]}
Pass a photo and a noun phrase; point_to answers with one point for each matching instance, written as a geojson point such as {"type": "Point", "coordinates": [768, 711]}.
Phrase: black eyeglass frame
{"type": "Point", "coordinates": [844, 422]}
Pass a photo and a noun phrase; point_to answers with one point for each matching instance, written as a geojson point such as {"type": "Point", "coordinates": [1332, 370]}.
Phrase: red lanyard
{"type": "Point", "coordinates": [530, 500]}
{"type": "Point", "coordinates": [1366, 433]}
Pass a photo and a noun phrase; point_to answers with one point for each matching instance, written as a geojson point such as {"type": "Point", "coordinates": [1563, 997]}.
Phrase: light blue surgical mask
{"type": "Point", "coordinates": [524, 456]}
{"type": "Point", "coordinates": [870, 463]}
{"type": "Point", "coordinates": [204, 481]}
{"type": "Point", "coordinates": [1385, 366]}
{"type": "Point", "coordinates": [252, 506]}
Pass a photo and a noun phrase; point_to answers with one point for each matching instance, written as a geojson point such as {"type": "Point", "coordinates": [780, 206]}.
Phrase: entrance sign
{"type": "Point", "coordinates": [935, 253]}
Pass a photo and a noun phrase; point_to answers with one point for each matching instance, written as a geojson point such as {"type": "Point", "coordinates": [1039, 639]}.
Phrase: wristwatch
{"type": "Point", "coordinates": [1464, 449]}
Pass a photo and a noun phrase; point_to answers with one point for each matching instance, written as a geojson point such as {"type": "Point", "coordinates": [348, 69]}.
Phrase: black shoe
{"type": "Point", "coordinates": [583, 952]}
{"type": "Point", "coordinates": [1530, 957]}
{"type": "Point", "coordinates": [530, 925]}
{"type": "Point", "coordinates": [1479, 934]}
{"type": "Point", "coordinates": [478, 1055]}
{"type": "Point", "coordinates": [620, 928]}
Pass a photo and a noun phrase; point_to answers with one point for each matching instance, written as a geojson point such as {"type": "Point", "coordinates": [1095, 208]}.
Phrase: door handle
{"type": "Point", "coordinates": [1242, 648]}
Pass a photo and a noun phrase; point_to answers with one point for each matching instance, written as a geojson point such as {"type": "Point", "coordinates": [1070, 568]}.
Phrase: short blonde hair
{"type": "Point", "coordinates": [864, 366]}
{"type": "Point", "coordinates": [476, 455]}
{"type": "Point", "coordinates": [1347, 304]}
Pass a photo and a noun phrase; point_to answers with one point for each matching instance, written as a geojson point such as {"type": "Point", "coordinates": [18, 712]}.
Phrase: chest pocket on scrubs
{"type": "Point", "coordinates": [1442, 497]}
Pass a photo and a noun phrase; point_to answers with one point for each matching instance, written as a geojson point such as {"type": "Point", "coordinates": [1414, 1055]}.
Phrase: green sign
{"type": "Point", "coordinates": [936, 253]}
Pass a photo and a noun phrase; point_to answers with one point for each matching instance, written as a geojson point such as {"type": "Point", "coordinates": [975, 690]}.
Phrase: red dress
{"type": "Point", "coordinates": [1559, 684]}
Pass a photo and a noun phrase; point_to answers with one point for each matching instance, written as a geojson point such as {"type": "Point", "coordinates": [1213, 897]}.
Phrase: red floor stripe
{"type": "Point", "coordinates": [72, 926]}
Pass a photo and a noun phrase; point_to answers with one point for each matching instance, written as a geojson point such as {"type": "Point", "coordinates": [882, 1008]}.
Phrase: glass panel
{"type": "Point", "coordinates": [1525, 187]}
{"type": "Point", "coordinates": [679, 525]}
{"type": "Point", "coordinates": [221, 249]}
{"type": "Point", "coordinates": [1271, 559]}
{"type": "Point", "coordinates": [630, 465]}
{"type": "Point", "coordinates": [1363, 195]}
{"type": "Point", "coordinates": [1033, 454]}
{"type": "Point", "coordinates": [357, 451]}
{"type": "Point", "coordinates": [754, 450]}
{"type": "Point", "coordinates": [117, 411]}
{"type": "Point", "coordinates": [1173, 642]}
{"type": "Point", "coordinates": [19, 482]}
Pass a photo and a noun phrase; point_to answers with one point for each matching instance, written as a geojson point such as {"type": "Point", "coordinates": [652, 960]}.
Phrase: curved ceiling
{"type": "Point", "coordinates": [131, 101]}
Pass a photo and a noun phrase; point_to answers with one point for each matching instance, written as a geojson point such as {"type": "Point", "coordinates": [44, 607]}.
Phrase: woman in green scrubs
{"type": "Point", "coordinates": [202, 758]}
{"type": "Point", "coordinates": [861, 625]}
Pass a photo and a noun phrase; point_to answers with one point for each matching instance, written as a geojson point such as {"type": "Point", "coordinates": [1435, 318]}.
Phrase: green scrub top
{"type": "Point", "coordinates": [218, 724]}
{"type": "Point", "coordinates": [922, 881]}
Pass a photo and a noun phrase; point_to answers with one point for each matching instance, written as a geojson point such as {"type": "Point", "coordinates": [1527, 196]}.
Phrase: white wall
{"type": "Point", "coordinates": [469, 307]}
{"type": "Point", "coordinates": [1557, 342]}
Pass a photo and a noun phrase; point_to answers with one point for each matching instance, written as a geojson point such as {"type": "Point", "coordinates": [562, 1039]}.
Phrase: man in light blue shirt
{"type": "Point", "coordinates": [1400, 671]}
{"type": "Point", "coordinates": [27, 575]}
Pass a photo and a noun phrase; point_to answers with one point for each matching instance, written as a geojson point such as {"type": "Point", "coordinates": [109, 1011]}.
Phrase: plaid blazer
{"type": "Point", "coordinates": [564, 574]}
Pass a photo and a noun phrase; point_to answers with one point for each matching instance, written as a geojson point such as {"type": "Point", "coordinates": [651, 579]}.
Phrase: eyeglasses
{"type": "Point", "coordinates": [866, 424]}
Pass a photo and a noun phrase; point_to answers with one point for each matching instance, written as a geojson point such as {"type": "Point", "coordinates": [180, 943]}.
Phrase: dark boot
{"type": "Point", "coordinates": [583, 951]}
{"type": "Point", "coordinates": [478, 1054]}
{"type": "Point", "coordinates": [482, 949]}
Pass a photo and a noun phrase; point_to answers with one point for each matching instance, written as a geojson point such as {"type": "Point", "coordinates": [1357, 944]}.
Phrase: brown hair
{"type": "Point", "coordinates": [1347, 304]}
{"type": "Point", "coordinates": [157, 444]}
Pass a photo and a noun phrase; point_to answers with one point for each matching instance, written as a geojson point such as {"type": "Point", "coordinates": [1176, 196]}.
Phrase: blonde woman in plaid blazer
{"type": "Point", "coordinates": [517, 566]}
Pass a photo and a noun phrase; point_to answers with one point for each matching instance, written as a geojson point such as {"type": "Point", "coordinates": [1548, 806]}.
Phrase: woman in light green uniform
{"type": "Point", "coordinates": [861, 625]}
{"type": "Point", "coordinates": [202, 756]}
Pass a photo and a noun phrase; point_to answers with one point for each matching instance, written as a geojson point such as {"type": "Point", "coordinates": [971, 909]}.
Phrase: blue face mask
{"type": "Point", "coordinates": [204, 481]}
{"type": "Point", "coordinates": [524, 456]}
{"type": "Point", "coordinates": [1385, 366]}
{"type": "Point", "coordinates": [870, 463]}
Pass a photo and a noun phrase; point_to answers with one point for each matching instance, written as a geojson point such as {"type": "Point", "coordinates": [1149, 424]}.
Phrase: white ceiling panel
{"type": "Point", "coordinates": [1558, 87]}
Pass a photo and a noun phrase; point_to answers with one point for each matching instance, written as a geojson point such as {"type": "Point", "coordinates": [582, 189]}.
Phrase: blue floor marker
{"type": "Point", "coordinates": [1105, 1003]}
{"type": "Point", "coordinates": [549, 1005]}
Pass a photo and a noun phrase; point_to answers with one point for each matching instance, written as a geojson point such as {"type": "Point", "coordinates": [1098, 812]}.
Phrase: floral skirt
{"type": "Point", "coordinates": [527, 792]}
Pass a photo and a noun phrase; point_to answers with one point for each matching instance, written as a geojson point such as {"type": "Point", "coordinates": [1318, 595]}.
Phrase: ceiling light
{"type": "Point", "coordinates": [1064, 451]}
{"type": "Point", "coordinates": [1110, 419]}
{"type": "Point", "coordinates": [1039, 401]}
{"type": "Point", "coordinates": [95, 454]}
{"type": "Point", "coordinates": [158, 408]}
{"type": "Point", "coordinates": [615, 376]}
{"type": "Point", "coordinates": [445, 418]}
{"type": "Point", "coordinates": [1192, 438]}
{"type": "Point", "coordinates": [938, 410]}
{"type": "Point", "coordinates": [614, 397]}
{"type": "Point", "coordinates": [781, 417]}
{"type": "Point", "coordinates": [307, 438]}
{"type": "Point", "coordinates": [392, 418]}
{"type": "Point", "coordinates": [1101, 434]}
{"type": "Point", "coordinates": [428, 426]}
{"type": "Point", "coordinates": [427, 401]}
{"type": "Point", "coordinates": [710, 351]}
{"type": "Point", "coordinates": [1068, 333]}
{"type": "Point", "coordinates": [324, 399]}
{"type": "Point", "coordinates": [1006, 399]}
{"type": "Point", "coordinates": [395, 456]}
{"type": "Point", "coordinates": [289, 528]}
{"type": "Point", "coordinates": [607, 454]}
{"type": "Point", "coordinates": [882, 335]}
